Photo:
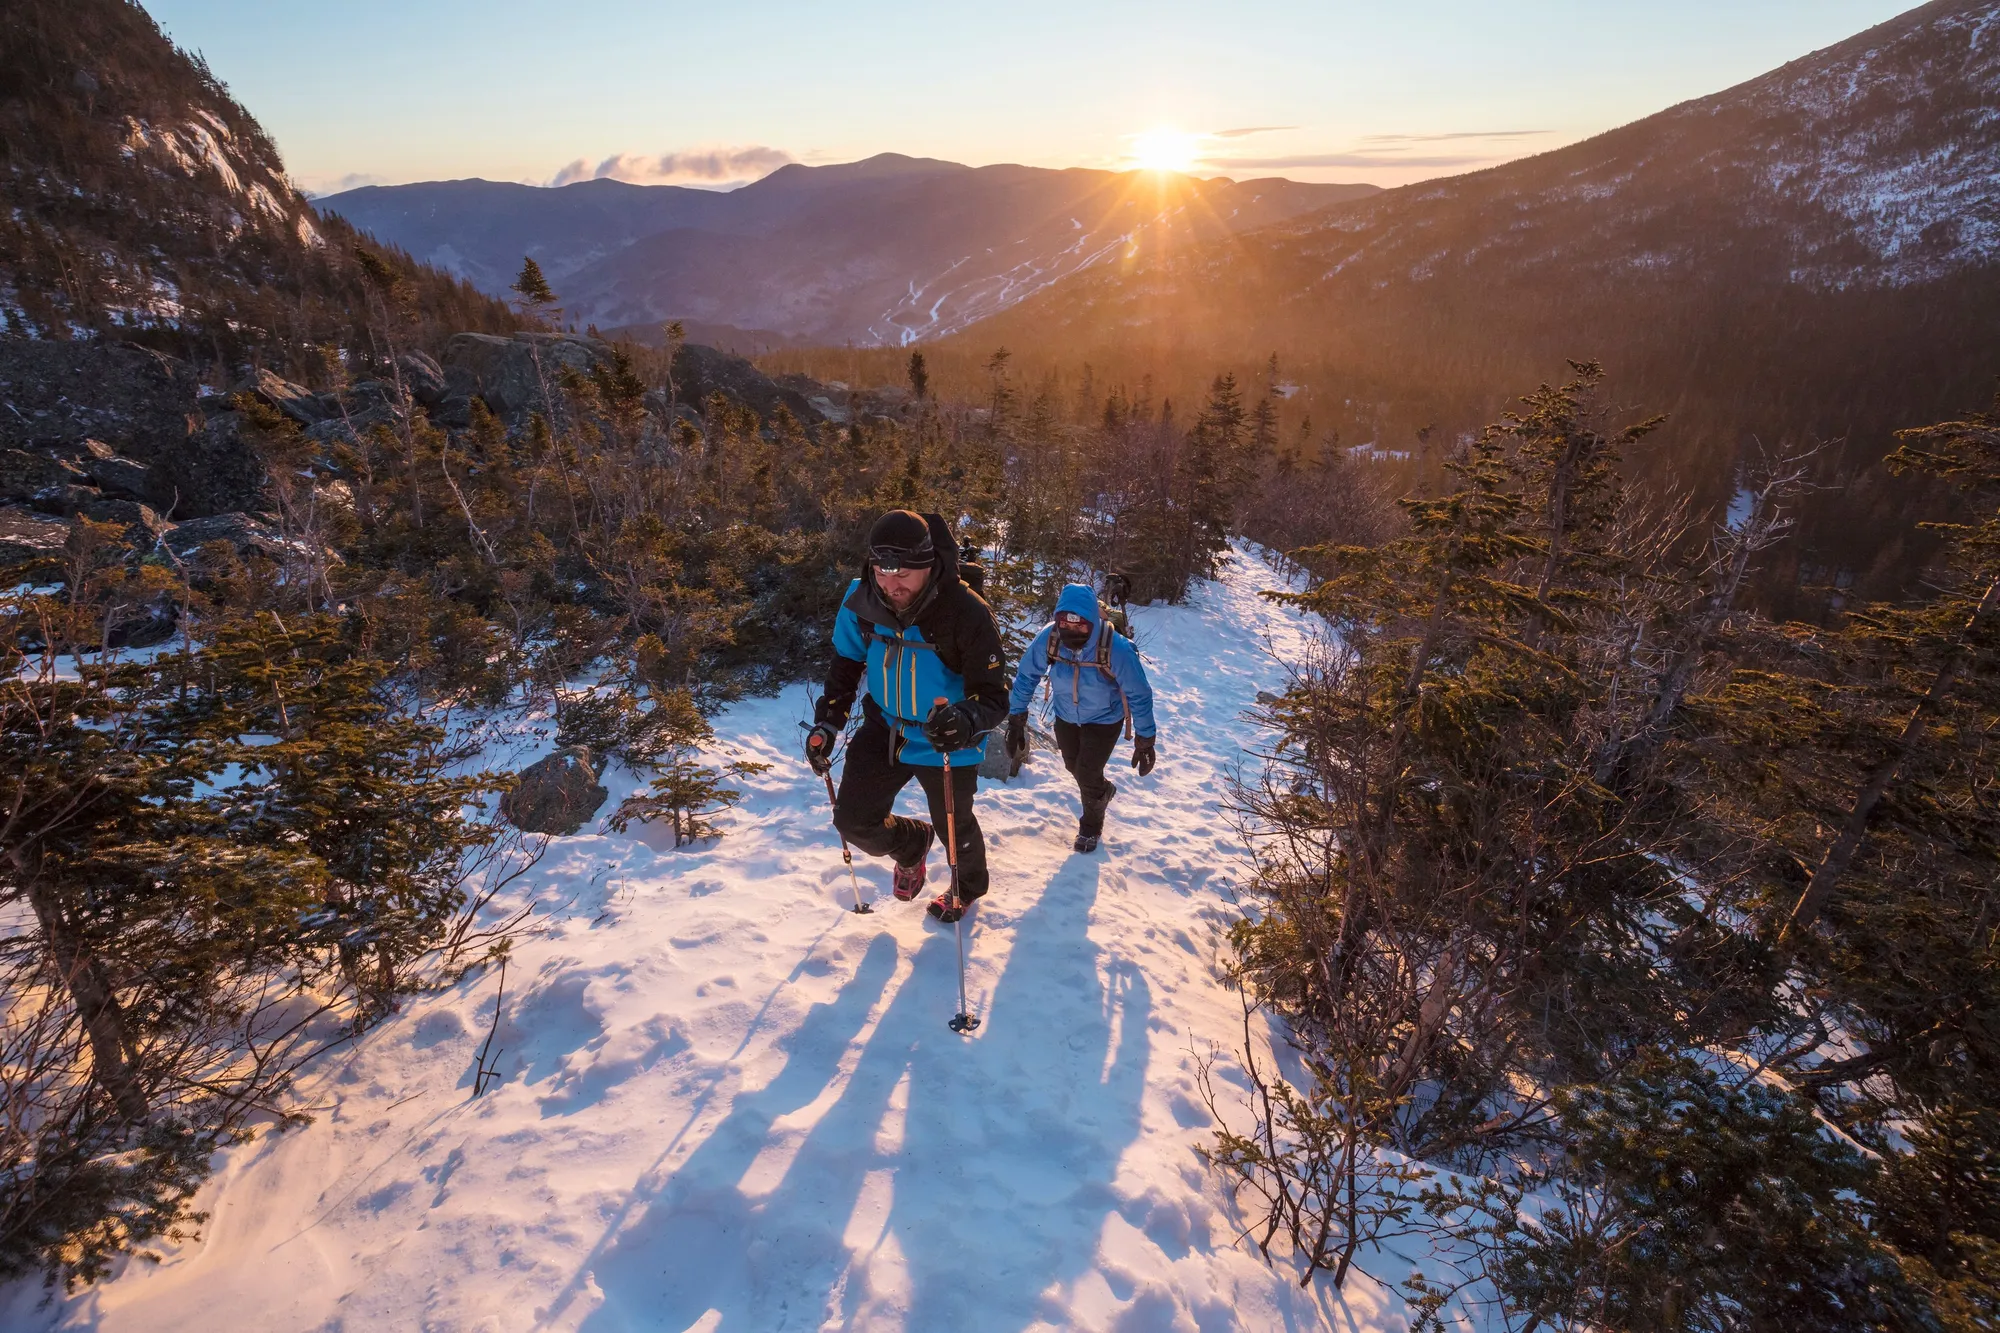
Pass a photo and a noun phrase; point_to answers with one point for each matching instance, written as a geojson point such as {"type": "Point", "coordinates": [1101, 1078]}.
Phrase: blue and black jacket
{"type": "Point", "coordinates": [946, 646]}
{"type": "Point", "coordinates": [1094, 684]}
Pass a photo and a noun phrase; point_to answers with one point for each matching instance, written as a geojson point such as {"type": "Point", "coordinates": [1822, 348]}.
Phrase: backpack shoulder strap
{"type": "Point", "coordinates": [1104, 665]}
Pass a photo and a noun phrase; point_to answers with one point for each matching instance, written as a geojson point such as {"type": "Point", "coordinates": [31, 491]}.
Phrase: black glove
{"type": "Point", "coordinates": [950, 727]}
{"type": "Point", "coordinates": [1142, 754]}
{"type": "Point", "coordinates": [819, 748]}
{"type": "Point", "coordinates": [1017, 737]}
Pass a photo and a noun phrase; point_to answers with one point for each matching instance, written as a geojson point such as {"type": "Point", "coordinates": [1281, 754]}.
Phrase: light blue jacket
{"type": "Point", "coordinates": [1082, 693]}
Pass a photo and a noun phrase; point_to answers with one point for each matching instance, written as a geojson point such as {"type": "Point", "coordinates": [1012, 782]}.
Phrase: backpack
{"type": "Point", "coordinates": [1103, 664]}
{"type": "Point", "coordinates": [1115, 617]}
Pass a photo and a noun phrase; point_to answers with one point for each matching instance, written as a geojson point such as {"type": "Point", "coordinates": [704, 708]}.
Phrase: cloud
{"type": "Point", "coordinates": [318, 187]}
{"type": "Point", "coordinates": [1336, 160]}
{"type": "Point", "coordinates": [1447, 138]}
{"type": "Point", "coordinates": [706, 166]}
{"type": "Point", "coordinates": [1247, 130]}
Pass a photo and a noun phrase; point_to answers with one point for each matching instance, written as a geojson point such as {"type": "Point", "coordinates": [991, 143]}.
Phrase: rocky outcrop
{"type": "Point", "coordinates": [295, 401]}
{"type": "Point", "coordinates": [28, 538]}
{"type": "Point", "coordinates": [424, 378]}
{"type": "Point", "coordinates": [556, 795]}
{"type": "Point", "coordinates": [128, 422]}
{"type": "Point", "coordinates": [241, 531]}
{"type": "Point", "coordinates": [213, 471]}
{"type": "Point", "coordinates": [700, 371]}
{"type": "Point", "coordinates": [35, 478]}
{"type": "Point", "coordinates": [504, 371]}
{"type": "Point", "coordinates": [57, 394]}
{"type": "Point", "coordinates": [143, 526]}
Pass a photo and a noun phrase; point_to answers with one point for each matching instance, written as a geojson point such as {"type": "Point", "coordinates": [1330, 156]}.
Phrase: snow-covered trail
{"type": "Point", "coordinates": [728, 1104]}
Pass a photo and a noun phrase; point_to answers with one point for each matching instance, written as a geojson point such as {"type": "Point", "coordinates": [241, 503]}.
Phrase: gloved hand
{"type": "Point", "coordinates": [1017, 737]}
{"type": "Point", "coordinates": [819, 748]}
{"type": "Point", "coordinates": [1143, 754]}
{"type": "Point", "coordinates": [950, 727]}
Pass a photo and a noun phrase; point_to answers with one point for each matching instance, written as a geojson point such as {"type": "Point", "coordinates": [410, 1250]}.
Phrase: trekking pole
{"type": "Point", "coordinates": [964, 1020]}
{"type": "Point", "coordinates": [860, 907]}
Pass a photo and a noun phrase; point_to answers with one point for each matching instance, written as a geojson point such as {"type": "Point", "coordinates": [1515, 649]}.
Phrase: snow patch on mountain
{"type": "Point", "coordinates": [1916, 174]}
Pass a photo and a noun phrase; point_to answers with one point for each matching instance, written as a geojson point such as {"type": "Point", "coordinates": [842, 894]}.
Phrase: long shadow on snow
{"type": "Point", "coordinates": [1001, 1182]}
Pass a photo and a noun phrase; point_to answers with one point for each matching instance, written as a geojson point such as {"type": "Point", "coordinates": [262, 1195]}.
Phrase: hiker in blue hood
{"type": "Point", "coordinates": [1099, 689]}
{"type": "Point", "coordinates": [924, 652]}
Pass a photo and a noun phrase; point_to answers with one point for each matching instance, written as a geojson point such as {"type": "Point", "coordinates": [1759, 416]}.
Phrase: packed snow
{"type": "Point", "coordinates": [727, 1103]}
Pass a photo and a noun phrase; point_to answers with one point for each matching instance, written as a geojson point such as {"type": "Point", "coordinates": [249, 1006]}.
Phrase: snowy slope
{"type": "Point", "coordinates": [730, 1105]}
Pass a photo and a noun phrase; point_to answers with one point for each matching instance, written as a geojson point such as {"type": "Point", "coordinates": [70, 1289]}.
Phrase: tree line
{"type": "Point", "coordinates": [1638, 951]}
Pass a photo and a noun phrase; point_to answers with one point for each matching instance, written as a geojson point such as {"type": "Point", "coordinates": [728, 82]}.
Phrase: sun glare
{"type": "Point", "coordinates": [1164, 148]}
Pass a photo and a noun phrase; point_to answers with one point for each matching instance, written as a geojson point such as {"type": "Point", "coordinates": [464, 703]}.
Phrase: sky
{"type": "Point", "coordinates": [717, 94]}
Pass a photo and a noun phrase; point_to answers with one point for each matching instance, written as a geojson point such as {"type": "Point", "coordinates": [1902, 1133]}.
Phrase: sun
{"type": "Point", "coordinates": [1164, 148]}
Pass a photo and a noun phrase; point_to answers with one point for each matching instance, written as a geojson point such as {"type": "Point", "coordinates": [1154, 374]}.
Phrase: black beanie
{"type": "Point", "coordinates": [901, 530]}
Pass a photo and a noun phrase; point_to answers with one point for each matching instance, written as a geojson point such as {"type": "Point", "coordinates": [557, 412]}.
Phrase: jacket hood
{"type": "Point", "coordinates": [1079, 600]}
{"type": "Point", "coordinates": [867, 601]}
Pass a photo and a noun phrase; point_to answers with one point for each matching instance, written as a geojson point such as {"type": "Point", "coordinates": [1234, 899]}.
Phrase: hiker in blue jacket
{"type": "Point", "coordinates": [926, 651]}
{"type": "Point", "coordinates": [1099, 688]}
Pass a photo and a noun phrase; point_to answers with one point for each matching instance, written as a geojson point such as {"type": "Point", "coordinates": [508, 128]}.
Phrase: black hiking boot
{"type": "Point", "coordinates": [1090, 825]}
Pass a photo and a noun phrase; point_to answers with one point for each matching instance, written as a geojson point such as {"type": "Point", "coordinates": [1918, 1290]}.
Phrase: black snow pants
{"type": "Point", "coordinates": [864, 808]}
{"type": "Point", "coordinates": [1085, 749]}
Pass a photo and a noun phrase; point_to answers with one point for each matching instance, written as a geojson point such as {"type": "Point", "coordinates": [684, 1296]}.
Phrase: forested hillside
{"type": "Point", "coordinates": [1811, 256]}
{"type": "Point", "coordinates": [142, 202]}
{"type": "Point", "coordinates": [1595, 945]}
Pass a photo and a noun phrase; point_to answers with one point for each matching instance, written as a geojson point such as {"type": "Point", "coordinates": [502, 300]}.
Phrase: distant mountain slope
{"type": "Point", "coordinates": [480, 229]}
{"type": "Point", "coordinates": [1873, 163]}
{"type": "Point", "coordinates": [1815, 252]}
{"type": "Point", "coordinates": [886, 250]}
{"type": "Point", "coordinates": [138, 200]}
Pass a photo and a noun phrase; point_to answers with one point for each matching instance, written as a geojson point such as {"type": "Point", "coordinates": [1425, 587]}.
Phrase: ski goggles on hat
{"type": "Point", "coordinates": [897, 559]}
{"type": "Point", "coordinates": [1071, 620]}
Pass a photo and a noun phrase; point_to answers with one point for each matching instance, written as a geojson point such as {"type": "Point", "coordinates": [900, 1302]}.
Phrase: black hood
{"type": "Point", "coordinates": [867, 602]}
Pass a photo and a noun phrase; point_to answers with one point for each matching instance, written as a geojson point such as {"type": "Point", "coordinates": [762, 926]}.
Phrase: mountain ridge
{"type": "Point", "coordinates": [889, 249]}
{"type": "Point", "coordinates": [143, 202]}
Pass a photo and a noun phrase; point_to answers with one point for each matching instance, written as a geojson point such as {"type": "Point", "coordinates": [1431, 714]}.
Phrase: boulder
{"type": "Point", "coordinates": [123, 478]}
{"type": "Point", "coordinates": [27, 538]}
{"type": "Point", "coordinates": [423, 377]}
{"type": "Point", "coordinates": [241, 531]}
{"type": "Point", "coordinates": [294, 400]}
{"type": "Point", "coordinates": [67, 500]}
{"type": "Point", "coordinates": [26, 476]}
{"type": "Point", "coordinates": [555, 795]}
{"type": "Point", "coordinates": [995, 764]}
{"type": "Point", "coordinates": [503, 370]}
{"type": "Point", "coordinates": [701, 371]}
{"type": "Point", "coordinates": [151, 622]}
{"type": "Point", "coordinates": [214, 471]}
{"type": "Point", "coordinates": [55, 394]}
{"type": "Point", "coordinates": [142, 525]}
{"type": "Point", "coordinates": [453, 411]}
{"type": "Point", "coordinates": [668, 411]}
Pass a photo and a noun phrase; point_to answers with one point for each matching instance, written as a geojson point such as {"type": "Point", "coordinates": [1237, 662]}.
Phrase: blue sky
{"type": "Point", "coordinates": [710, 93]}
